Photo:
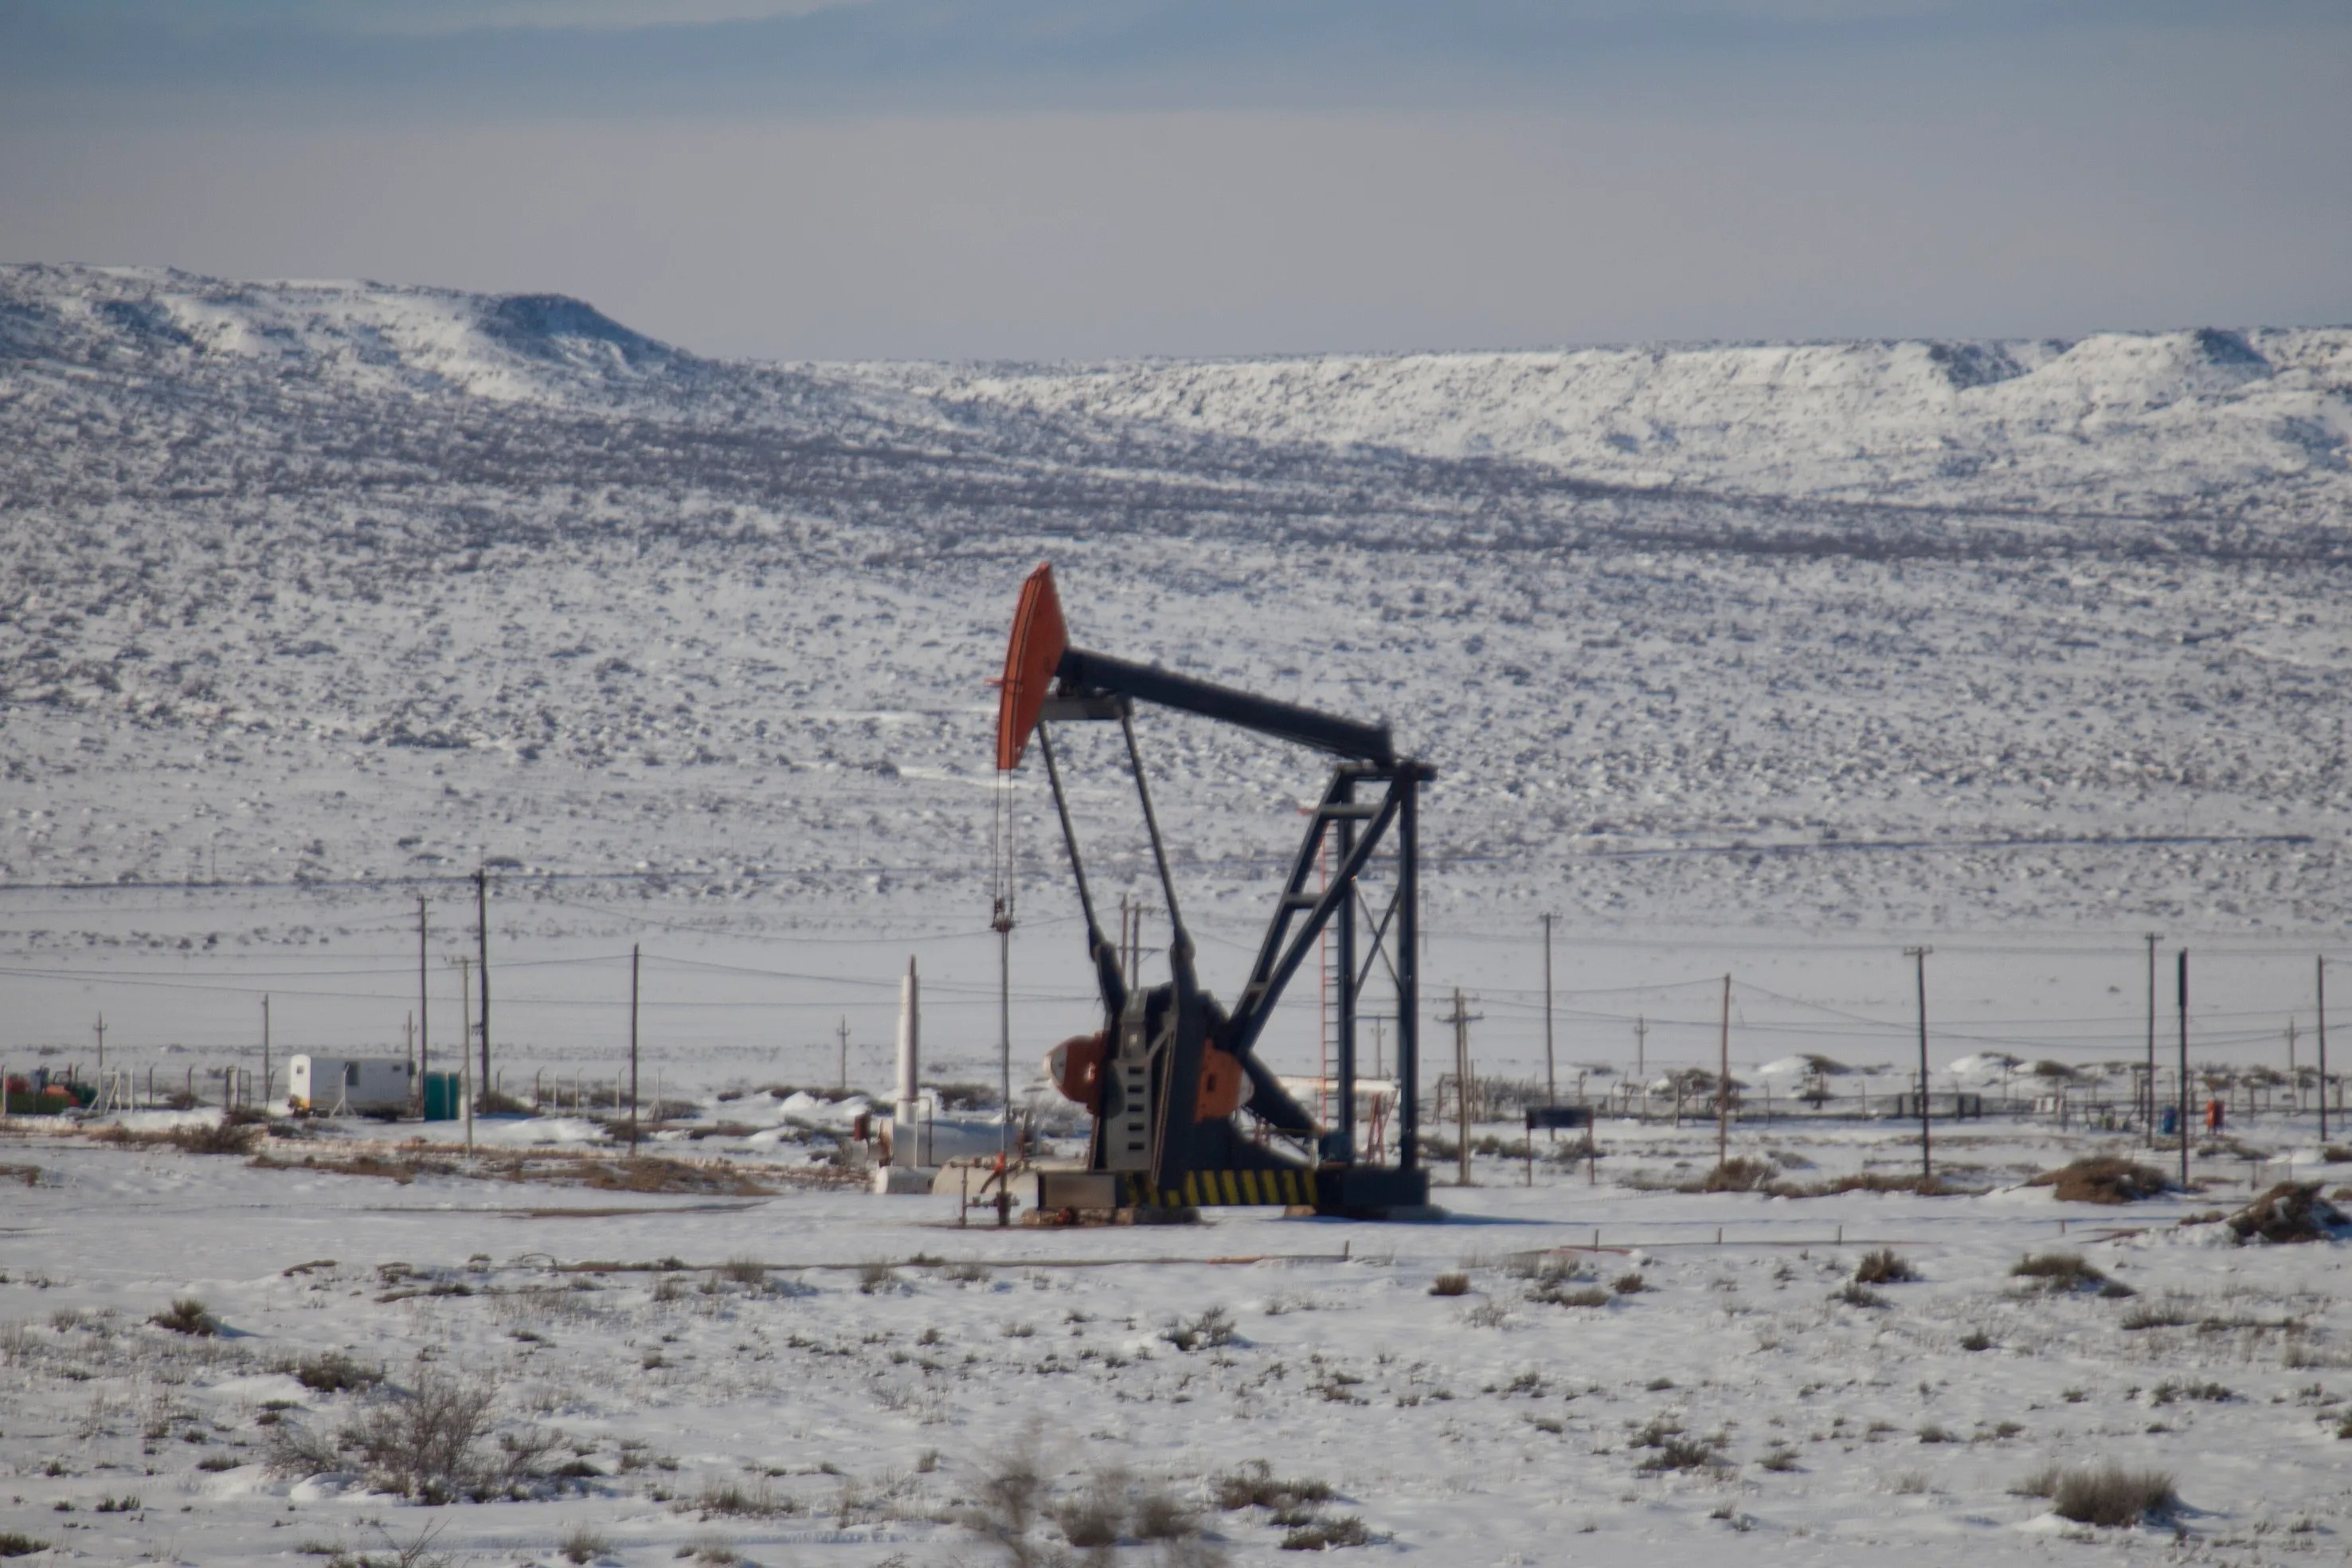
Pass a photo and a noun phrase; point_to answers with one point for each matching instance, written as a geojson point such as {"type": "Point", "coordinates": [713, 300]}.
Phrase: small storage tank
{"type": "Point", "coordinates": [445, 1096]}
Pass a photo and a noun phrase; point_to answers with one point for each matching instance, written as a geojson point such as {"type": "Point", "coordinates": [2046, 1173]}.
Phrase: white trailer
{"type": "Point", "coordinates": [350, 1085]}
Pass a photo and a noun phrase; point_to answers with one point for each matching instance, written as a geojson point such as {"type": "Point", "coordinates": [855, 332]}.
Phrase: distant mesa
{"type": "Point", "coordinates": [549, 326]}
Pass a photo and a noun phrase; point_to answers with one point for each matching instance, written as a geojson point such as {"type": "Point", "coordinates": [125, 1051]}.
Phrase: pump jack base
{"type": "Point", "coordinates": [1394, 1214]}
{"type": "Point", "coordinates": [1138, 1214]}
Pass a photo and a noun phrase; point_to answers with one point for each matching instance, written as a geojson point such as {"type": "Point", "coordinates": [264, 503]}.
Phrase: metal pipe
{"type": "Point", "coordinates": [1344, 941]}
{"type": "Point", "coordinates": [1180, 946]}
{"type": "Point", "coordinates": [1408, 974]}
{"type": "Point", "coordinates": [2183, 1085]}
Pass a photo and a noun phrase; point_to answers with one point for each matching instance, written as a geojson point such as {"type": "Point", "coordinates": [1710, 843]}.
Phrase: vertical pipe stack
{"type": "Point", "coordinates": [907, 1139]}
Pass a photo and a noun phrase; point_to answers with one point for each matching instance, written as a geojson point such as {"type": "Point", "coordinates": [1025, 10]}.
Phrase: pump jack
{"type": "Point", "coordinates": [1172, 1071]}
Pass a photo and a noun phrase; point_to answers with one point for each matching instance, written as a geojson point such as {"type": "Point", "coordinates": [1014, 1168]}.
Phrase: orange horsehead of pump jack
{"type": "Point", "coordinates": [1184, 1112]}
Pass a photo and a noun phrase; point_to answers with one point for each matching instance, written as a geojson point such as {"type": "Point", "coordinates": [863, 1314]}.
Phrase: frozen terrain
{"type": "Point", "coordinates": [1760, 661]}
{"type": "Point", "coordinates": [1632, 1375]}
{"type": "Point", "coordinates": [1766, 658]}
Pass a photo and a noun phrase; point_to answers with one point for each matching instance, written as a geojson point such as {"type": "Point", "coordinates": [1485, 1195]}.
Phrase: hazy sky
{"type": "Point", "coordinates": [1039, 178]}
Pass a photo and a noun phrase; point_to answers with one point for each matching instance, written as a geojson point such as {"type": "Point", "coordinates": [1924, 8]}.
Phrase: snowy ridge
{"type": "Point", "coordinates": [360, 336]}
{"type": "Point", "coordinates": [2207, 421]}
{"type": "Point", "coordinates": [1867, 633]}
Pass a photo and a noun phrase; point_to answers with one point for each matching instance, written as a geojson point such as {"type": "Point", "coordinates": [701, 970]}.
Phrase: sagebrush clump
{"type": "Point", "coordinates": [1884, 1266]}
{"type": "Point", "coordinates": [2111, 1495]}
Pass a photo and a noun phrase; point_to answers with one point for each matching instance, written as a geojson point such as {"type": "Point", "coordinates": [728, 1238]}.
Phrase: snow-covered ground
{"type": "Point", "coordinates": [866, 1369]}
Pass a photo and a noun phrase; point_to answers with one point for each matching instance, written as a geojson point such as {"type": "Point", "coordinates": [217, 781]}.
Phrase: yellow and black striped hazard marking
{"type": "Point", "coordinates": [1207, 1189]}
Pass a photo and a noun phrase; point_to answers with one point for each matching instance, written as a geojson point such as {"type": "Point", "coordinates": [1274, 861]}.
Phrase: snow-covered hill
{"type": "Point", "coordinates": [2206, 422]}
{"type": "Point", "coordinates": [331, 580]}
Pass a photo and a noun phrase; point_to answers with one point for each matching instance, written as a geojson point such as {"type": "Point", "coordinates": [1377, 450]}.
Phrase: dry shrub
{"type": "Point", "coordinates": [2105, 1179]}
{"type": "Point", "coordinates": [1214, 1327]}
{"type": "Point", "coordinates": [1012, 1497]}
{"type": "Point", "coordinates": [1874, 1181]}
{"type": "Point", "coordinates": [1739, 1174]}
{"type": "Point", "coordinates": [296, 1451]}
{"type": "Point", "coordinates": [425, 1442]}
{"type": "Point", "coordinates": [1324, 1534]}
{"type": "Point", "coordinates": [1579, 1296]}
{"type": "Point", "coordinates": [1095, 1516]}
{"type": "Point", "coordinates": [2168, 1391]}
{"type": "Point", "coordinates": [1854, 1293]}
{"type": "Point", "coordinates": [1454, 1285]}
{"type": "Point", "coordinates": [335, 1373]}
{"type": "Point", "coordinates": [224, 1137]}
{"type": "Point", "coordinates": [186, 1315]}
{"type": "Point", "coordinates": [583, 1544]}
{"type": "Point", "coordinates": [2042, 1482]}
{"type": "Point", "coordinates": [1016, 1498]}
{"type": "Point", "coordinates": [1884, 1266]}
{"type": "Point", "coordinates": [221, 1137]}
{"type": "Point", "coordinates": [1158, 1515]}
{"type": "Point", "coordinates": [2112, 1495]}
{"type": "Point", "coordinates": [2290, 1211]}
{"type": "Point", "coordinates": [2335, 1155]}
{"type": "Point", "coordinates": [1254, 1485]}
{"type": "Point", "coordinates": [400, 1168]}
{"type": "Point", "coordinates": [2151, 1318]}
{"type": "Point", "coordinates": [1679, 1451]}
{"type": "Point", "coordinates": [2059, 1271]}
{"type": "Point", "coordinates": [16, 1544]}
{"type": "Point", "coordinates": [732, 1499]}
{"type": "Point", "coordinates": [649, 1173]}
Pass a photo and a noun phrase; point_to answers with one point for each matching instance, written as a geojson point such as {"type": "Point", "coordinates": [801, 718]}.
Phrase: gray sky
{"type": "Point", "coordinates": [1042, 178]}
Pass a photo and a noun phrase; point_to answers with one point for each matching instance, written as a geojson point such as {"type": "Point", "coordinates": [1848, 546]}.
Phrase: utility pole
{"type": "Point", "coordinates": [1461, 1018]}
{"type": "Point", "coordinates": [633, 1049]}
{"type": "Point", "coordinates": [2294, 1086]}
{"type": "Point", "coordinates": [465, 1058]}
{"type": "Point", "coordinates": [264, 1048]}
{"type": "Point", "coordinates": [1918, 956]}
{"type": "Point", "coordinates": [482, 947]}
{"type": "Point", "coordinates": [2184, 1069]}
{"type": "Point", "coordinates": [1551, 1068]}
{"type": "Point", "coordinates": [843, 1032]}
{"type": "Point", "coordinates": [1723, 1083]}
{"type": "Point", "coordinates": [2151, 1038]}
{"type": "Point", "coordinates": [424, 1014]}
{"type": "Point", "coordinates": [1642, 1073]}
{"type": "Point", "coordinates": [2322, 1050]}
{"type": "Point", "coordinates": [101, 1048]}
